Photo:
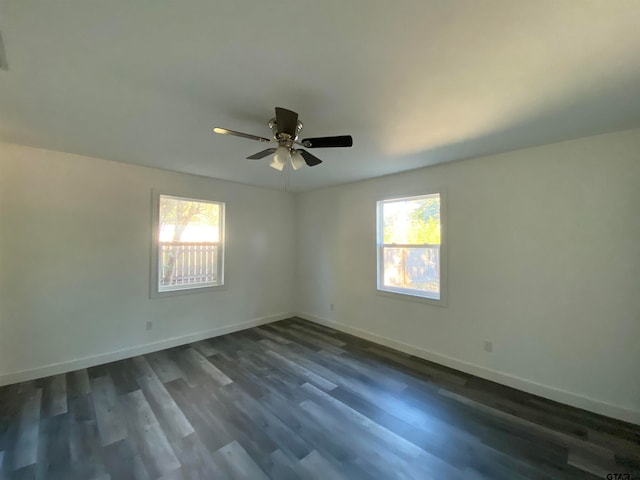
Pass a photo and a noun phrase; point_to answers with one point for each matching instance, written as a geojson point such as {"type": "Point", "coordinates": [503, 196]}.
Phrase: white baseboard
{"type": "Point", "coordinates": [93, 360]}
{"type": "Point", "coordinates": [552, 393]}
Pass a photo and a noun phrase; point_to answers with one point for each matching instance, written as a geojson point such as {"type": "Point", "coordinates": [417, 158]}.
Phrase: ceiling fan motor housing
{"type": "Point", "coordinates": [284, 138]}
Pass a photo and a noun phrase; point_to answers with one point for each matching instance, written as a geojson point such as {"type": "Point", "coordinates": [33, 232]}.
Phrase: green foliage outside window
{"type": "Point", "coordinates": [417, 223]}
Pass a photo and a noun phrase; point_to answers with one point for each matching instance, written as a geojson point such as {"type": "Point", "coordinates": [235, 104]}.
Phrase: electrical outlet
{"type": "Point", "coordinates": [332, 307]}
{"type": "Point", "coordinates": [488, 346]}
{"type": "Point", "coordinates": [149, 325]}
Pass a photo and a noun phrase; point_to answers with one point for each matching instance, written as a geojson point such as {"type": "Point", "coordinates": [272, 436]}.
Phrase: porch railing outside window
{"type": "Point", "coordinates": [187, 263]}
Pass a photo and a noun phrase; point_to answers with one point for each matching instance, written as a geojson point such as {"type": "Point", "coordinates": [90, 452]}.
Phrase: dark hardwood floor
{"type": "Point", "coordinates": [297, 400]}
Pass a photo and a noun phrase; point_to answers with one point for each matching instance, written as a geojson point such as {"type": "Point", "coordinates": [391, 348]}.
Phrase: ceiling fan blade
{"type": "Point", "coordinates": [262, 154]}
{"type": "Point", "coordinates": [224, 131]}
{"type": "Point", "coordinates": [328, 142]}
{"type": "Point", "coordinates": [311, 160]}
{"type": "Point", "coordinates": [287, 121]}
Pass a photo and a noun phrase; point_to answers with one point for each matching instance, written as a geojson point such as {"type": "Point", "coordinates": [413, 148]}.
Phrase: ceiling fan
{"type": "Point", "coordinates": [286, 127]}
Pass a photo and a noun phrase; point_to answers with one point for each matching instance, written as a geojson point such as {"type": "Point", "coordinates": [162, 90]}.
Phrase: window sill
{"type": "Point", "coordinates": [187, 291]}
{"type": "Point", "coordinates": [412, 298]}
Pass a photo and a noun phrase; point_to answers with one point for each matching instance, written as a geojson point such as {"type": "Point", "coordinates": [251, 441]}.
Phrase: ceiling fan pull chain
{"type": "Point", "coordinates": [287, 178]}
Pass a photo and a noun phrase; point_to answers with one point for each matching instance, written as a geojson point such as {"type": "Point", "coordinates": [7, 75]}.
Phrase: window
{"type": "Point", "coordinates": [408, 240]}
{"type": "Point", "coordinates": [190, 248]}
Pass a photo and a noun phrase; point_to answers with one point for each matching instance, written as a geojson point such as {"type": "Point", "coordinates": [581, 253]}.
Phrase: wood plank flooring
{"type": "Point", "coordinates": [297, 400]}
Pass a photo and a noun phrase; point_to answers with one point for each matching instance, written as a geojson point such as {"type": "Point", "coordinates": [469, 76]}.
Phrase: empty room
{"type": "Point", "coordinates": [319, 240]}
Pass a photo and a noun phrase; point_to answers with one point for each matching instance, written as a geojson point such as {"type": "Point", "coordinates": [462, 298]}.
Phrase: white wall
{"type": "Point", "coordinates": [75, 238]}
{"type": "Point", "coordinates": [544, 260]}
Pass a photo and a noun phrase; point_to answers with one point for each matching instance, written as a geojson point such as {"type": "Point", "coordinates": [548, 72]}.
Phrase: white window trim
{"type": "Point", "coordinates": [410, 294]}
{"type": "Point", "coordinates": [155, 291]}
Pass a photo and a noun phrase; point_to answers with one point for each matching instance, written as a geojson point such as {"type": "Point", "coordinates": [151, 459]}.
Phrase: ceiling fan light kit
{"type": "Point", "coordinates": [277, 164]}
{"type": "Point", "coordinates": [280, 158]}
{"type": "Point", "coordinates": [296, 160]}
{"type": "Point", "coordinates": [286, 128]}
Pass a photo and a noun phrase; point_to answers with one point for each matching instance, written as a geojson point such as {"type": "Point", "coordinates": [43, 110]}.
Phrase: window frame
{"type": "Point", "coordinates": [155, 291]}
{"type": "Point", "coordinates": [400, 293]}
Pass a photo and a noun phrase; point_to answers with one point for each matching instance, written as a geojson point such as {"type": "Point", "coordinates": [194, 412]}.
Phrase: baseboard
{"type": "Point", "coordinates": [551, 393]}
{"type": "Point", "coordinates": [93, 360]}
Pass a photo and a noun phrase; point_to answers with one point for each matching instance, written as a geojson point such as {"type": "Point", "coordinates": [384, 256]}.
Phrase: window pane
{"type": "Point", "coordinates": [412, 221]}
{"type": "Point", "coordinates": [188, 220]}
{"type": "Point", "coordinates": [412, 268]}
{"type": "Point", "coordinates": [188, 264]}
{"type": "Point", "coordinates": [189, 243]}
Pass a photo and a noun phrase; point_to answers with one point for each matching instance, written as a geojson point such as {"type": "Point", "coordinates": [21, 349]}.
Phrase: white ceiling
{"type": "Point", "coordinates": [414, 82]}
